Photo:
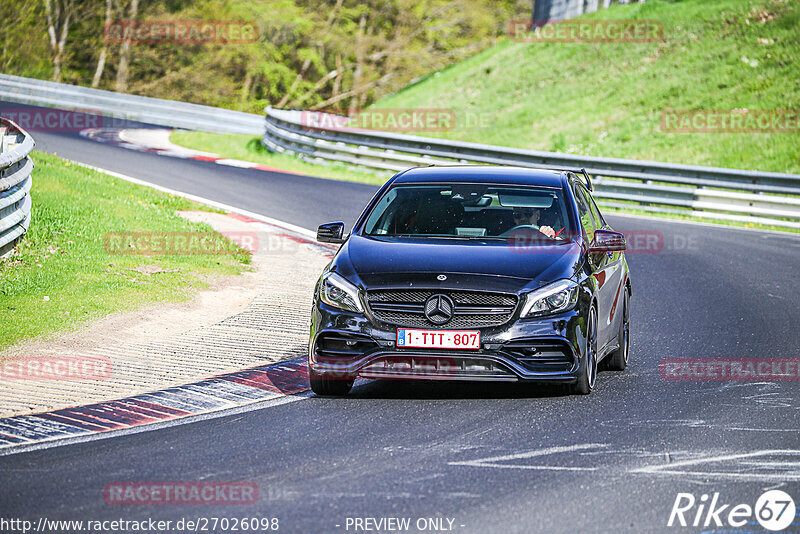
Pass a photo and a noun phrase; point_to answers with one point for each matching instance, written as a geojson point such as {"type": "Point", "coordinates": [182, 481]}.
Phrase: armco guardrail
{"type": "Point", "coordinates": [15, 184]}
{"type": "Point", "coordinates": [729, 194]}
{"type": "Point", "coordinates": [132, 107]}
{"type": "Point", "coordinates": [747, 196]}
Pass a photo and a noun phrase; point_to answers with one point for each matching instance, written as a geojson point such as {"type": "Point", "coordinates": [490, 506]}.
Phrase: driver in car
{"type": "Point", "coordinates": [530, 216]}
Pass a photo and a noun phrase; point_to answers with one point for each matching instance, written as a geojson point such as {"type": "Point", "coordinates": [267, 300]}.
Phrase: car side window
{"type": "Point", "coordinates": [600, 222]}
{"type": "Point", "coordinates": [597, 218]}
{"type": "Point", "coordinates": [584, 212]}
{"type": "Point", "coordinates": [379, 218]}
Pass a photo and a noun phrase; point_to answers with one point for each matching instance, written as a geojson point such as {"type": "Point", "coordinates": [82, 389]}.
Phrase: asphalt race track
{"type": "Point", "coordinates": [491, 458]}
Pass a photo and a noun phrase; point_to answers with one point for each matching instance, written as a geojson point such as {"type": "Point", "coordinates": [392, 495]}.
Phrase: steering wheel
{"type": "Point", "coordinates": [520, 227]}
{"type": "Point", "coordinates": [535, 227]}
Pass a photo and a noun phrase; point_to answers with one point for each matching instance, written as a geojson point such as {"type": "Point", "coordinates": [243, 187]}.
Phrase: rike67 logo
{"type": "Point", "coordinates": [774, 510]}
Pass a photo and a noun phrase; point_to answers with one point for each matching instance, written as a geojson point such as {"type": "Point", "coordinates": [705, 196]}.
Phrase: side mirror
{"type": "Point", "coordinates": [331, 233]}
{"type": "Point", "coordinates": [607, 241]}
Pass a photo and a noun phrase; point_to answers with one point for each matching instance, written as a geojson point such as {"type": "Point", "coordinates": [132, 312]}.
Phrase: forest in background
{"type": "Point", "coordinates": [323, 54]}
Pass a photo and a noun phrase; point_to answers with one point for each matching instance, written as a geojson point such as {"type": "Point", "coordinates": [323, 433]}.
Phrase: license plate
{"type": "Point", "coordinates": [438, 339]}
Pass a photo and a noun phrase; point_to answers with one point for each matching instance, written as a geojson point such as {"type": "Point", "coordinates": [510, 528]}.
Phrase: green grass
{"type": "Point", "coordinates": [607, 99]}
{"type": "Point", "coordinates": [60, 275]}
{"type": "Point", "coordinates": [249, 148]}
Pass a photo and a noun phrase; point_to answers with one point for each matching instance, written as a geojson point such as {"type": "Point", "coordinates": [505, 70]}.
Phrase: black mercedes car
{"type": "Point", "coordinates": [473, 273]}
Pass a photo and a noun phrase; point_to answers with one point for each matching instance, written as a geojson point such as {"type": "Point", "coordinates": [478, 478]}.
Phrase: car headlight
{"type": "Point", "coordinates": [337, 292]}
{"type": "Point", "coordinates": [553, 298]}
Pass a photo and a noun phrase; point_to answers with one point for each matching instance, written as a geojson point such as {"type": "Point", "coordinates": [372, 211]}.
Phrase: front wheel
{"type": "Point", "coordinates": [324, 386]}
{"type": "Point", "coordinates": [618, 360]}
{"type": "Point", "coordinates": [587, 376]}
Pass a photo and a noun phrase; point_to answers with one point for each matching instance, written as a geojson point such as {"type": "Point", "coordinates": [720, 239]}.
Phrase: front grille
{"type": "Point", "coordinates": [472, 309]}
{"type": "Point", "coordinates": [538, 356]}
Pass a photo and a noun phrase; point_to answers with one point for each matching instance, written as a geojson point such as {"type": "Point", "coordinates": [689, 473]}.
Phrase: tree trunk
{"type": "Point", "coordinates": [359, 64]}
{"type": "Point", "coordinates": [337, 82]}
{"type": "Point", "coordinates": [101, 65]}
{"type": "Point", "coordinates": [248, 84]}
{"type": "Point", "coordinates": [101, 61]}
{"type": "Point", "coordinates": [297, 79]}
{"type": "Point", "coordinates": [123, 69]}
{"type": "Point", "coordinates": [58, 19]}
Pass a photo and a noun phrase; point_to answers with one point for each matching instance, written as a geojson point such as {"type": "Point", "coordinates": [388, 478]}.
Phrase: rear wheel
{"type": "Point", "coordinates": [587, 376]}
{"type": "Point", "coordinates": [326, 386]}
{"type": "Point", "coordinates": [618, 360]}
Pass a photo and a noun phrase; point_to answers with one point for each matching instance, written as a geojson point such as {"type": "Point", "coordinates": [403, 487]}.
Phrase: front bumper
{"type": "Point", "coordinates": [548, 349]}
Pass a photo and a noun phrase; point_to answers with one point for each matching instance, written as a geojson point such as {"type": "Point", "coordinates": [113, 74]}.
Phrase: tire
{"type": "Point", "coordinates": [618, 360]}
{"type": "Point", "coordinates": [329, 387]}
{"type": "Point", "coordinates": [587, 376]}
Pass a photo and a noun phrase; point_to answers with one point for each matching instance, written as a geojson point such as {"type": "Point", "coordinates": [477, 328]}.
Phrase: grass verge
{"type": "Point", "coordinates": [60, 275]}
{"type": "Point", "coordinates": [607, 99]}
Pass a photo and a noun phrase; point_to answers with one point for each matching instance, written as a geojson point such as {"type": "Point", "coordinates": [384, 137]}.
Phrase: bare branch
{"type": "Point", "coordinates": [295, 83]}
{"type": "Point", "coordinates": [322, 81]}
{"type": "Point", "coordinates": [353, 92]}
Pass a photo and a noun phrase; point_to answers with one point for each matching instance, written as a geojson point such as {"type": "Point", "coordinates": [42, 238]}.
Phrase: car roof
{"type": "Point", "coordinates": [488, 174]}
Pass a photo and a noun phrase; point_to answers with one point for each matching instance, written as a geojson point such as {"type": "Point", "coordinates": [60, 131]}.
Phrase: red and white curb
{"type": "Point", "coordinates": [152, 141]}
{"type": "Point", "coordinates": [217, 394]}
{"type": "Point", "coordinates": [221, 393]}
{"type": "Point", "coordinates": [280, 231]}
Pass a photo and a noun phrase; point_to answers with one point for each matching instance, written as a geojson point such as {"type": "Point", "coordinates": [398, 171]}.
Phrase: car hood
{"type": "Point", "coordinates": [373, 262]}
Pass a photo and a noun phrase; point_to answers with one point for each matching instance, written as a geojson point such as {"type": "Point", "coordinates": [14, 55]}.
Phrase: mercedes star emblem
{"type": "Point", "coordinates": [439, 309]}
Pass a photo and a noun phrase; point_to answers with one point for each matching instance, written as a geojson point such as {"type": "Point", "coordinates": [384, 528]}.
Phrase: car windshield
{"type": "Point", "coordinates": [469, 211]}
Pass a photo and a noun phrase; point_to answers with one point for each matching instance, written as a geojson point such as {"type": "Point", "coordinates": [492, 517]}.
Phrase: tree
{"type": "Point", "coordinates": [59, 15]}
{"type": "Point", "coordinates": [309, 53]}
{"type": "Point", "coordinates": [101, 60]}
{"type": "Point", "coordinates": [123, 68]}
